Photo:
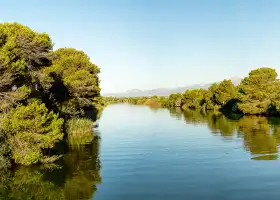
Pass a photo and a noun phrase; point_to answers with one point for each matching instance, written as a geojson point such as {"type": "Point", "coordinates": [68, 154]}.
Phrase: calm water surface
{"type": "Point", "coordinates": [160, 154]}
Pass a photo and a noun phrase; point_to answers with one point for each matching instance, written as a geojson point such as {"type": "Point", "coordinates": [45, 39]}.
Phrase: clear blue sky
{"type": "Point", "coordinates": [148, 44]}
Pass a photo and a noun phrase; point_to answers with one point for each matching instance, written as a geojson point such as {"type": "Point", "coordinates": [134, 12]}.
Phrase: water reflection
{"type": "Point", "coordinates": [176, 113]}
{"type": "Point", "coordinates": [260, 135]}
{"type": "Point", "coordinates": [74, 177]}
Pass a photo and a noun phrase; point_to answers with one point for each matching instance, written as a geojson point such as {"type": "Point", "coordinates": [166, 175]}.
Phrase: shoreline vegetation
{"type": "Point", "coordinates": [44, 94]}
{"type": "Point", "coordinates": [257, 94]}
{"type": "Point", "coordinates": [51, 97]}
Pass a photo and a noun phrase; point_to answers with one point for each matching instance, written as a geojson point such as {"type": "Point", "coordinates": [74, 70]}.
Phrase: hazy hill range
{"type": "Point", "coordinates": [165, 91]}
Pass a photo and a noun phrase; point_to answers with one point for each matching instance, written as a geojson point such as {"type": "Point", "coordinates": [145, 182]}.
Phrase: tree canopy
{"type": "Point", "coordinates": [259, 92]}
{"type": "Point", "coordinates": [37, 87]}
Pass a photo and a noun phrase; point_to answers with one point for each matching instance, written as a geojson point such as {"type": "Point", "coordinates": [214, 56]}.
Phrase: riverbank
{"type": "Point", "coordinates": [257, 94]}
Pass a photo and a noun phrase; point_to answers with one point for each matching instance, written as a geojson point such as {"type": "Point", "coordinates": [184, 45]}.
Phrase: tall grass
{"type": "Point", "coordinates": [80, 131]}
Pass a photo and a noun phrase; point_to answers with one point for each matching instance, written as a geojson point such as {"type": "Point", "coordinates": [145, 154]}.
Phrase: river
{"type": "Point", "coordinates": [155, 154]}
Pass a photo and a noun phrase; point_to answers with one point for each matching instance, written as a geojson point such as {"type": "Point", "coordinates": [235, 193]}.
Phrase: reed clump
{"type": "Point", "coordinates": [80, 131]}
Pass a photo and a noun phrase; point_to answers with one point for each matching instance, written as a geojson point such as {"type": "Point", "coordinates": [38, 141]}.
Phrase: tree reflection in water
{"type": "Point", "coordinates": [74, 177]}
{"type": "Point", "coordinates": [260, 135]}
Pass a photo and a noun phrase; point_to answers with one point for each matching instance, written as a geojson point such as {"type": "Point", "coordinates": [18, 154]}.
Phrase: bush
{"type": "Point", "coordinates": [29, 130]}
{"type": "Point", "coordinates": [153, 103]}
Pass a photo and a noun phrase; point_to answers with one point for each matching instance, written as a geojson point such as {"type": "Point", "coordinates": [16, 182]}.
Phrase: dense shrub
{"type": "Point", "coordinates": [30, 130]}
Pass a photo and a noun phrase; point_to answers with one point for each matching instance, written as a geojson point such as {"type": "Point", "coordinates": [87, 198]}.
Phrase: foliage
{"type": "Point", "coordinates": [65, 82]}
{"type": "Point", "coordinates": [22, 53]}
{"type": "Point", "coordinates": [153, 101]}
{"type": "Point", "coordinates": [30, 129]}
{"type": "Point", "coordinates": [4, 150]}
{"type": "Point", "coordinates": [193, 99]}
{"type": "Point", "coordinates": [223, 92]}
{"type": "Point", "coordinates": [77, 87]}
{"type": "Point", "coordinates": [259, 92]}
{"type": "Point", "coordinates": [175, 100]}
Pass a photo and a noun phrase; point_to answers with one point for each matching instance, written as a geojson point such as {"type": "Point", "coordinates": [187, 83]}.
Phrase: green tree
{"type": "Point", "coordinates": [175, 100]}
{"type": "Point", "coordinates": [30, 130]}
{"type": "Point", "coordinates": [193, 99]}
{"type": "Point", "coordinates": [22, 53]}
{"type": "Point", "coordinates": [65, 82]}
{"type": "Point", "coordinates": [224, 92]}
{"type": "Point", "coordinates": [77, 83]}
{"type": "Point", "coordinates": [259, 91]}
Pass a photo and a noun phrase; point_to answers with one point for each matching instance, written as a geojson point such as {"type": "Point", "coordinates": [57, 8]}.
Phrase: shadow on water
{"type": "Point", "coordinates": [260, 135]}
{"type": "Point", "coordinates": [72, 178]}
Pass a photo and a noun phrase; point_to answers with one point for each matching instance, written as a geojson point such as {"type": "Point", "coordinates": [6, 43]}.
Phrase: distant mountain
{"type": "Point", "coordinates": [166, 91]}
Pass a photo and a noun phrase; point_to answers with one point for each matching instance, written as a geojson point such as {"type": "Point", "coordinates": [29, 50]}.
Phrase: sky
{"type": "Point", "coordinates": [147, 44]}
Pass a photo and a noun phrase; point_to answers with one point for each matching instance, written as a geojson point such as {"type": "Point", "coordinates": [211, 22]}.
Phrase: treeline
{"type": "Point", "coordinates": [257, 94]}
{"type": "Point", "coordinates": [153, 101]}
{"type": "Point", "coordinates": [40, 89]}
